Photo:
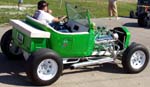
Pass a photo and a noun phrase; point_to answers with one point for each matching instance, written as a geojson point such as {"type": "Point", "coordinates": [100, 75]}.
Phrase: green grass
{"type": "Point", "coordinates": [97, 9]}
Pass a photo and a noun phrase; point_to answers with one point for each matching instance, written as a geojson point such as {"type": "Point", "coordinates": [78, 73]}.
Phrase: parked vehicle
{"type": "Point", "coordinates": [142, 13]}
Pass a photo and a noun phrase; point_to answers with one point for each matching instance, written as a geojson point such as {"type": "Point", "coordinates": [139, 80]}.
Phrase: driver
{"type": "Point", "coordinates": [43, 14]}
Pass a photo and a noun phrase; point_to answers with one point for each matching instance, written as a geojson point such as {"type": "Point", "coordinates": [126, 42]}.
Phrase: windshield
{"type": "Point", "coordinates": [77, 14]}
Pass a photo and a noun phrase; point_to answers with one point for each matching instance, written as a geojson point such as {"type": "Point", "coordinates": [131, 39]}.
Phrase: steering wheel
{"type": "Point", "coordinates": [64, 20]}
{"type": "Point", "coordinates": [63, 23]}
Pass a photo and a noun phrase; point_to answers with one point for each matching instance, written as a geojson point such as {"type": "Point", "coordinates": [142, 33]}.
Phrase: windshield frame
{"type": "Point", "coordinates": [81, 15]}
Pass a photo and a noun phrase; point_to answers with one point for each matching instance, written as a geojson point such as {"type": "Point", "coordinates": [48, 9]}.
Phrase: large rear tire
{"type": "Point", "coordinates": [44, 67]}
{"type": "Point", "coordinates": [9, 48]}
{"type": "Point", "coordinates": [135, 58]}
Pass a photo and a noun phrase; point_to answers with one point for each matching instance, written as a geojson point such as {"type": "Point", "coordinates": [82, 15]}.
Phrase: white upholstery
{"type": "Point", "coordinates": [29, 30]}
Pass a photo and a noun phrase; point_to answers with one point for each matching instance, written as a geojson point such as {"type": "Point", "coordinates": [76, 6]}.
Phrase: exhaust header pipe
{"type": "Point", "coordinates": [92, 62]}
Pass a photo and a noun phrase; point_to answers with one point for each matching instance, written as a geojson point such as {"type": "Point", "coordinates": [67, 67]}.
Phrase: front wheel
{"type": "Point", "coordinates": [135, 58]}
{"type": "Point", "coordinates": [44, 67]}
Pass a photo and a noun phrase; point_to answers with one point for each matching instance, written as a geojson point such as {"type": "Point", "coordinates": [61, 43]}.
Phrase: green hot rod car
{"type": "Point", "coordinates": [47, 49]}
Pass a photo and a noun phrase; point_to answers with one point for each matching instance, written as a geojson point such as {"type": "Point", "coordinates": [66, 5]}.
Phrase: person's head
{"type": "Point", "coordinates": [42, 5]}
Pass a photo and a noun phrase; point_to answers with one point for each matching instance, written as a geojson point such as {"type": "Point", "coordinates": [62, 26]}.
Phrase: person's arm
{"type": "Point", "coordinates": [62, 18]}
{"type": "Point", "coordinates": [59, 19]}
{"type": "Point", "coordinates": [51, 18]}
{"type": "Point", "coordinates": [49, 11]}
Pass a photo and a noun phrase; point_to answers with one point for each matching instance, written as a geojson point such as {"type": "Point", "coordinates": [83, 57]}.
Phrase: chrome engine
{"type": "Point", "coordinates": [105, 41]}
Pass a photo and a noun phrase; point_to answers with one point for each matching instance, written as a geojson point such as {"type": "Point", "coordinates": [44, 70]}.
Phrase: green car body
{"type": "Point", "coordinates": [67, 45]}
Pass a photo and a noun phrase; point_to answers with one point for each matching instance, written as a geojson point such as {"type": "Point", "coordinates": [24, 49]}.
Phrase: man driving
{"type": "Point", "coordinates": [43, 14]}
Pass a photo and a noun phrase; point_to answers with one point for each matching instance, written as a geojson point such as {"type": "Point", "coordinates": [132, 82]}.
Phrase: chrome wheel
{"type": "Point", "coordinates": [47, 69]}
{"type": "Point", "coordinates": [138, 59]}
{"type": "Point", "coordinates": [135, 58]}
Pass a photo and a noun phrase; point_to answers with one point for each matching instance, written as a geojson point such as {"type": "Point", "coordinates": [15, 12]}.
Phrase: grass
{"type": "Point", "coordinates": [97, 8]}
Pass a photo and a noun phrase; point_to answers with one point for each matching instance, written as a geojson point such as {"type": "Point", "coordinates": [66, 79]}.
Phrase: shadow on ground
{"type": "Point", "coordinates": [107, 68]}
{"type": "Point", "coordinates": [131, 24]}
{"type": "Point", "coordinates": [12, 72]}
{"type": "Point", "coordinates": [135, 25]}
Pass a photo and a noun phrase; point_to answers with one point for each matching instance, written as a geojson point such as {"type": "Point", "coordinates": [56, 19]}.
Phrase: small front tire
{"type": "Point", "coordinates": [135, 58]}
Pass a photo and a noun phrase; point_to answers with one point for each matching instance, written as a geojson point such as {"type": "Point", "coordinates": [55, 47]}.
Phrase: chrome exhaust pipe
{"type": "Point", "coordinates": [92, 62]}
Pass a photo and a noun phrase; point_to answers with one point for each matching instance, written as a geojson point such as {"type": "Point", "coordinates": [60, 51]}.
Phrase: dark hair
{"type": "Point", "coordinates": [42, 4]}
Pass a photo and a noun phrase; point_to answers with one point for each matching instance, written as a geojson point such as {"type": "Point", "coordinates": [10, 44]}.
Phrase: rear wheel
{"type": "Point", "coordinates": [9, 48]}
{"type": "Point", "coordinates": [135, 58]}
{"type": "Point", "coordinates": [44, 67]}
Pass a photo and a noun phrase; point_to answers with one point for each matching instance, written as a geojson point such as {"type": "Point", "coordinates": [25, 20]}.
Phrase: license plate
{"type": "Point", "coordinates": [20, 38]}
